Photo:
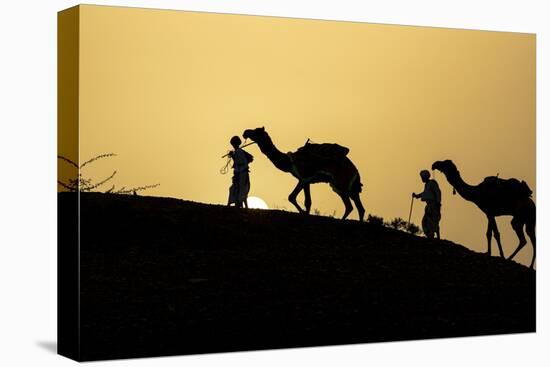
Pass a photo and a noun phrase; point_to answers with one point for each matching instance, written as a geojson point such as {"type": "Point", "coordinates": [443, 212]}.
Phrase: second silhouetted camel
{"type": "Point", "coordinates": [496, 197]}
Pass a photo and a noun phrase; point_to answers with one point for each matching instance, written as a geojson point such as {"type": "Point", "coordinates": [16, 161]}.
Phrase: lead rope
{"type": "Point", "coordinates": [225, 168]}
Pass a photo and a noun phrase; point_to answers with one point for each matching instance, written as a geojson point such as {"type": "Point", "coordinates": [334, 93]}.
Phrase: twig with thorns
{"type": "Point", "coordinates": [86, 185]}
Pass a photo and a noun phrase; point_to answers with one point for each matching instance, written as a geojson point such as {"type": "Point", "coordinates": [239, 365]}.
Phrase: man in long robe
{"type": "Point", "coordinates": [240, 187]}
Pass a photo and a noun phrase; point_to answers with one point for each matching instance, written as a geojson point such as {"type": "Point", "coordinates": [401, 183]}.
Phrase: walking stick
{"type": "Point", "coordinates": [410, 211]}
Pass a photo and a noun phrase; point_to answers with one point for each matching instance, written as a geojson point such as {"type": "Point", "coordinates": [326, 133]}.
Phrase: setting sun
{"type": "Point", "coordinates": [256, 203]}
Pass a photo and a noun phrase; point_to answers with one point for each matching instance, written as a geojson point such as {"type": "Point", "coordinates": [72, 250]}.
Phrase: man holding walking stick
{"type": "Point", "coordinates": [432, 213]}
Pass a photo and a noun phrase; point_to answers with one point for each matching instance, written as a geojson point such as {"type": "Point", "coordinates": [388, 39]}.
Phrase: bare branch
{"type": "Point", "coordinates": [97, 157]}
{"type": "Point", "coordinates": [102, 182]}
{"type": "Point", "coordinates": [67, 160]}
{"type": "Point", "coordinates": [141, 188]}
{"type": "Point", "coordinates": [70, 188]}
{"type": "Point", "coordinates": [87, 184]}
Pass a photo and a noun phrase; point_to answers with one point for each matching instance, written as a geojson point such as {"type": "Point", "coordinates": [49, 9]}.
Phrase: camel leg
{"type": "Point", "coordinates": [347, 203]}
{"type": "Point", "coordinates": [294, 194]}
{"type": "Point", "coordinates": [517, 224]}
{"type": "Point", "coordinates": [530, 229]}
{"type": "Point", "coordinates": [496, 233]}
{"type": "Point", "coordinates": [357, 200]}
{"type": "Point", "coordinates": [494, 229]}
{"type": "Point", "coordinates": [307, 201]}
{"type": "Point", "coordinates": [489, 235]}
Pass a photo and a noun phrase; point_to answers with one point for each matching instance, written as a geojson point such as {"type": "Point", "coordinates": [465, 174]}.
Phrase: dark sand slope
{"type": "Point", "coordinates": [162, 276]}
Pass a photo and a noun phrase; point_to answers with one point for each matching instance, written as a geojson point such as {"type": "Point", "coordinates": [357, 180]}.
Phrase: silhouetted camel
{"type": "Point", "coordinates": [314, 163]}
{"type": "Point", "coordinates": [496, 197]}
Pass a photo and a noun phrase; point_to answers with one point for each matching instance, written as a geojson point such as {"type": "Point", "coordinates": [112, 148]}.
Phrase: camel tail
{"type": "Point", "coordinates": [532, 212]}
{"type": "Point", "coordinates": [356, 185]}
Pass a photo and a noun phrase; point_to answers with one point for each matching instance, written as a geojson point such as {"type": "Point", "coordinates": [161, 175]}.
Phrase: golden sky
{"type": "Point", "coordinates": [166, 90]}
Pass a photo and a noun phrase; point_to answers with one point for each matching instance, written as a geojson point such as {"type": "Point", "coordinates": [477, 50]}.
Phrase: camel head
{"type": "Point", "coordinates": [256, 135]}
{"type": "Point", "coordinates": [447, 166]}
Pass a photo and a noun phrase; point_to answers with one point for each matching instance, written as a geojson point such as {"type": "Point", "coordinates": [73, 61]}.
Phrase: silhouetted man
{"type": "Point", "coordinates": [238, 192]}
{"type": "Point", "coordinates": [432, 213]}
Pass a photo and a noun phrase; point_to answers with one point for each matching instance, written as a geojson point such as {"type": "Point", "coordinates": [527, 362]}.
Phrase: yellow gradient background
{"type": "Point", "coordinates": [166, 90]}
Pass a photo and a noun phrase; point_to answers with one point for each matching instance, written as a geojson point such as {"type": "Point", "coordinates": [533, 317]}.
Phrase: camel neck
{"type": "Point", "coordinates": [465, 190]}
{"type": "Point", "coordinates": [278, 158]}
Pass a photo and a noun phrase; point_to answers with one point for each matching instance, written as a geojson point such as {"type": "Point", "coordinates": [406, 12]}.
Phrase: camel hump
{"type": "Point", "coordinates": [325, 151]}
{"type": "Point", "coordinates": [509, 187]}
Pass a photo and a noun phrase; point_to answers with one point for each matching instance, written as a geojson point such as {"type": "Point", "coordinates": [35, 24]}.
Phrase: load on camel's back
{"type": "Point", "coordinates": [324, 151]}
{"type": "Point", "coordinates": [512, 187]}
{"type": "Point", "coordinates": [324, 162]}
